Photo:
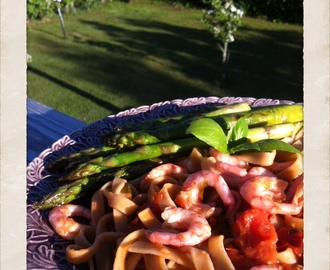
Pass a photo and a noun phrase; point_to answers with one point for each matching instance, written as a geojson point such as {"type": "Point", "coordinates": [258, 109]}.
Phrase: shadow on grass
{"type": "Point", "coordinates": [145, 66]}
{"type": "Point", "coordinates": [187, 49]}
{"type": "Point", "coordinates": [74, 89]}
{"type": "Point", "coordinates": [269, 64]}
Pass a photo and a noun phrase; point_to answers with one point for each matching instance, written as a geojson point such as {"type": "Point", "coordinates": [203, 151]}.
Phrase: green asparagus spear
{"type": "Point", "coordinates": [99, 164]}
{"type": "Point", "coordinates": [276, 132]}
{"type": "Point", "coordinates": [144, 137]}
{"type": "Point", "coordinates": [263, 116]}
{"type": "Point", "coordinates": [160, 122]}
{"type": "Point", "coordinates": [80, 188]}
{"type": "Point", "coordinates": [68, 162]}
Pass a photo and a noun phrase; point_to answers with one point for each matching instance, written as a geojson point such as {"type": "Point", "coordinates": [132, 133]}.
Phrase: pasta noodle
{"type": "Point", "coordinates": [142, 224]}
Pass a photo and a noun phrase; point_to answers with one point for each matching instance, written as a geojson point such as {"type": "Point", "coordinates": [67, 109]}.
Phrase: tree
{"type": "Point", "coordinates": [222, 20]}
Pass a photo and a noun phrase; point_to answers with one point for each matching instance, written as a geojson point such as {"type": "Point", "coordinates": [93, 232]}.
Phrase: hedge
{"type": "Point", "coordinates": [286, 11]}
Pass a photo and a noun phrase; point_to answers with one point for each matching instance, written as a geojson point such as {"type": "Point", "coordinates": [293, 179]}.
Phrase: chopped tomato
{"type": "Point", "coordinates": [293, 238]}
{"type": "Point", "coordinates": [239, 261]}
{"type": "Point", "coordinates": [256, 236]}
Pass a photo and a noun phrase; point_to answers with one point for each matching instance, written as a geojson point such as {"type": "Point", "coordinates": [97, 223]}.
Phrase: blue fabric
{"type": "Point", "coordinates": [45, 126]}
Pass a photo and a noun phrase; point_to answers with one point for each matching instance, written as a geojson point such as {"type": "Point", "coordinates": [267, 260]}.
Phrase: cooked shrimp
{"type": "Point", "coordinates": [61, 219]}
{"type": "Point", "coordinates": [255, 172]}
{"type": "Point", "coordinates": [191, 194]}
{"type": "Point", "coordinates": [162, 171]}
{"type": "Point", "coordinates": [232, 168]}
{"type": "Point", "coordinates": [226, 158]}
{"type": "Point", "coordinates": [198, 229]}
{"type": "Point", "coordinates": [267, 193]}
{"type": "Point", "coordinates": [259, 171]}
{"type": "Point", "coordinates": [231, 173]}
{"type": "Point", "coordinates": [167, 169]}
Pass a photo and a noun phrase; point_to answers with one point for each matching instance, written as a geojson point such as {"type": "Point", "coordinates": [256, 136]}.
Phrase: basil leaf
{"type": "Point", "coordinates": [264, 146]}
{"type": "Point", "coordinates": [238, 131]}
{"type": "Point", "coordinates": [210, 132]}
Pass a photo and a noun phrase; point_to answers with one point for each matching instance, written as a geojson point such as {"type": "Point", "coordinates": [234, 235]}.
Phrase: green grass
{"type": "Point", "coordinates": [118, 56]}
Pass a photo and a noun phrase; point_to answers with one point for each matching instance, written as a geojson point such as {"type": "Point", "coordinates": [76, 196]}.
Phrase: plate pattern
{"type": "Point", "coordinates": [46, 250]}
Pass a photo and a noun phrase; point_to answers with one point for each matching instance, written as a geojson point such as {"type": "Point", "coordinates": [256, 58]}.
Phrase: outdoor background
{"type": "Point", "coordinates": [118, 55]}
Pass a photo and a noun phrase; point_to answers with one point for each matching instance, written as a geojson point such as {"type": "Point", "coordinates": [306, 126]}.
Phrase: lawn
{"type": "Point", "coordinates": [123, 55]}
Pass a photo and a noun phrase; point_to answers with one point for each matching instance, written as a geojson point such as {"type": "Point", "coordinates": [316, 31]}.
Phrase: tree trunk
{"type": "Point", "coordinates": [225, 53]}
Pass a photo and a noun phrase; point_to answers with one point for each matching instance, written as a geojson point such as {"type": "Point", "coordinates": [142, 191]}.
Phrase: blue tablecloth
{"type": "Point", "coordinates": [45, 126]}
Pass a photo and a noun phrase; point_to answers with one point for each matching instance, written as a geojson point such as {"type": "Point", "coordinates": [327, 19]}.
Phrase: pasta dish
{"type": "Point", "coordinates": [207, 211]}
{"type": "Point", "coordinates": [192, 202]}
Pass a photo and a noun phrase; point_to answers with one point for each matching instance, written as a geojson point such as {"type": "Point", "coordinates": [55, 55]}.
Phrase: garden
{"type": "Point", "coordinates": [113, 55]}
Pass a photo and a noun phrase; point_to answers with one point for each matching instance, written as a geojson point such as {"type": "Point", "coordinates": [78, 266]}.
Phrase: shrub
{"type": "Point", "coordinates": [287, 11]}
{"type": "Point", "coordinates": [274, 10]}
{"type": "Point", "coordinates": [38, 9]}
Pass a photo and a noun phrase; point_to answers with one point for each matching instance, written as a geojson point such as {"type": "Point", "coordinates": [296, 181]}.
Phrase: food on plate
{"type": "Point", "coordinates": [61, 164]}
{"type": "Point", "coordinates": [88, 166]}
{"type": "Point", "coordinates": [214, 198]}
{"type": "Point", "coordinates": [262, 116]}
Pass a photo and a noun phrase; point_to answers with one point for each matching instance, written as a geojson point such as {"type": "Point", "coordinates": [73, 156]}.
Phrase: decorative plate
{"type": "Point", "coordinates": [45, 249]}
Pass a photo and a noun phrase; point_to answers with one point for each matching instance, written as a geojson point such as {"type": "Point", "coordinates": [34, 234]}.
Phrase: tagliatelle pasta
{"type": "Point", "coordinates": [195, 214]}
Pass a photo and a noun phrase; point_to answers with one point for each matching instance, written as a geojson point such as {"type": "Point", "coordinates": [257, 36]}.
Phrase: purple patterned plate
{"type": "Point", "coordinates": [46, 250]}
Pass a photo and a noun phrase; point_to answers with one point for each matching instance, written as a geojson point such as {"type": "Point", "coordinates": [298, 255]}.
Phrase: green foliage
{"type": "Point", "coordinates": [38, 9]}
{"type": "Point", "coordinates": [266, 145]}
{"type": "Point", "coordinates": [184, 3]}
{"type": "Point", "coordinates": [82, 4]}
{"type": "Point", "coordinates": [210, 132]}
{"type": "Point", "coordinates": [222, 20]}
{"type": "Point", "coordinates": [238, 131]}
{"type": "Point", "coordinates": [274, 10]}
